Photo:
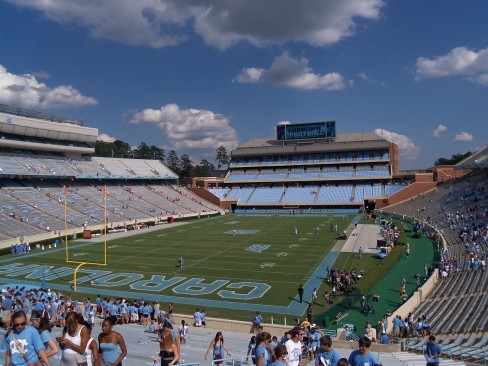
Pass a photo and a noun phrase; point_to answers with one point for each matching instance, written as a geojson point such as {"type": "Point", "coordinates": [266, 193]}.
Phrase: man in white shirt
{"type": "Point", "coordinates": [294, 347]}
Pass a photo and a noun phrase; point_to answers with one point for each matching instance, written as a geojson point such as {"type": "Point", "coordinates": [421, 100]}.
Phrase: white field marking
{"type": "Point", "coordinates": [266, 264]}
{"type": "Point", "coordinates": [162, 234]}
{"type": "Point", "coordinates": [303, 239]}
{"type": "Point", "coordinates": [138, 240]}
{"type": "Point", "coordinates": [122, 259]}
{"type": "Point", "coordinates": [293, 245]}
{"type": "Point", "coordinates": [113, 246]}
{"type": "Point", "coordinates": [80, 254]}
{"type": "Point", "coordinates": [282, 254]}
{"type": "Point", "coordinates": [218, 253]}
{"type": "Point", "coordinates": [180, 231]}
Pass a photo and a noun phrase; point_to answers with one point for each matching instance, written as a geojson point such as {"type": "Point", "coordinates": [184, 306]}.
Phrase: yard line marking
{"type": "Point", "coordinates": [80, 254]}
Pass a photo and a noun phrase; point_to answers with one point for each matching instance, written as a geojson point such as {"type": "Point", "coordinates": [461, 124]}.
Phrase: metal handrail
{"type": "Point", "coordinates": [22, 112]}
{"type": "Point", "coordinates": [222, 360]}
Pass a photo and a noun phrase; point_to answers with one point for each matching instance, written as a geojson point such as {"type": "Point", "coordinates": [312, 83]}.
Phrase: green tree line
{"type": "Point", "coordinates": [181, 165]}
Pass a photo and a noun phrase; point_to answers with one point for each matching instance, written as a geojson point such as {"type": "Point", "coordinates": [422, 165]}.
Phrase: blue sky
{"type": "Point", "coordinates": [192, 75]}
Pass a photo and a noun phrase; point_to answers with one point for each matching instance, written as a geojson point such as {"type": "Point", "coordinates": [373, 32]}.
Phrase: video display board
{"type": "Point", "coordinates": [301, 131]}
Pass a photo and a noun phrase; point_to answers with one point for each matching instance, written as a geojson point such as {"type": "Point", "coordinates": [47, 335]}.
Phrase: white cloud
{"type": "Point", "coordinates": [25, 90]}
{"type": "Point", "coordinates": [249, 75]}
{"type": "Point", "coordinates": [440, 129]}
{"type": "Point", "coordinates": [41, 74]}
{"type": "Point", "coordinates": [459, 61]}
{"type": "Point", "coordinates": [221, 24]}
{"type": "Point", "coordinates": [363, 76]}
{"type": "Point", "coordinates": [406, 147]}
{"type": "Point", "coordinates": [290, 73]}
{"type": "Point", "coordinates": [463, 136]}
{"type": "Point", "coordinates": [192, 129]}
{"type": "Point", "coordinates": [106, 138]}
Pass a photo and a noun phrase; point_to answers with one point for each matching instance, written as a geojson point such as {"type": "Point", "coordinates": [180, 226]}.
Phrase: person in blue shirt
{"type": "Point", "coordinates": [27, 338]}
{"type": "Point", "coordinates": [41, 322]}
{"type": "Point", "coordinates": [397, 321]}
{"type": "Point", "coordinates": [384, 339]}
{"type": "Point", "coordinates": [263, 356]}
{"type": "Point", "coordinates": [274, 342]}
{"type": "Point", "coordinates": [362, 356]}
{"type": "Point", "coordinates": [433, 352]}
{"type": "Point", "coordinates": [98, 301]}
{"type": "Point", "coordinates": [7, 305]}
{"type": "Point", "coordinates": [326, 355]}
{"type": "Point", "coordinates": [314, 336]}
{"type": "Point", "coordinates": [204, 321]}
{"type": "Point", "coordinates": [280, 353]}
{"type": "Point", "coordinates": [197, 318]}
{"type": "Point", "coordinates": [256, 322]}
{"type": "Point", "coordinates": [146, 313]}
{"type": "Point", "coordinates": [26, 305]}
{"type": "Point", "coordinates": [124, 312]}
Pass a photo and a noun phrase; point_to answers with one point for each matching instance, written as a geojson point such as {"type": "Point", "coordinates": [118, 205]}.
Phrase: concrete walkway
{"type": "Point", "coordinates": [364, 235]}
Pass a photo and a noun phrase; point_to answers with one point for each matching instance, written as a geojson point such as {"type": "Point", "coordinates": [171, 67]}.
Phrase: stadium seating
{"type": "Point", "coordinates": [314, 158]}
{"type": "Point", "coordinates": [219, 192]}
{"type": "Point", "coordinates": [30, 210]}
{"type": "Point", "coordinates": [393, 188]}
{"type": "Point", "coordinates": [240, 193]}
{"type": "Point", "coordinates": [362, 191]}
{"type": "Point", "coordinates": [266, 195]}
{"type": "Point", "coordinates": [330, 194]}
{"type": "Point", "coordinates": [457, 305]}
{"type": "Point", "coordinates": [300, 195]}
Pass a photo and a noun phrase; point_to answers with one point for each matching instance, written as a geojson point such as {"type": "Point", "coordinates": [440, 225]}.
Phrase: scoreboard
{"type": "Point", "coordinates": [301, 131]}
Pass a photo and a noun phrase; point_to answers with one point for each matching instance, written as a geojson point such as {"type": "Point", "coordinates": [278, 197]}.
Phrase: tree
{"type": "Point", "coordinates": [203, 169]}
{"type": "Point", "coordinates": [142, 151]}
{"type": "Point", "coordinates": [156, 153]}
{"type": "Point", "coordinates": [222, 157]}
{"type": "Point", "coordinates": [186, 166]}
{"type": "Point", "coordinates": [116, 149]}
{"type": "Point", "coordinates": [121, 149]}
{"type": "Point", "coordinates": [173, 162]}
{"type": "Point", "coordinates": [456, 158]}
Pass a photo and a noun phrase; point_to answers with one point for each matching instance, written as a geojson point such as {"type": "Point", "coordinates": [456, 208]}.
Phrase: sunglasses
{"type": "Point", "coordinates": [23, 324]}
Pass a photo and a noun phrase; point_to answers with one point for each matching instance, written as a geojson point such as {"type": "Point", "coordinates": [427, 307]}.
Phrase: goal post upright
{"type": "Point", "coordinates": [80, 263]}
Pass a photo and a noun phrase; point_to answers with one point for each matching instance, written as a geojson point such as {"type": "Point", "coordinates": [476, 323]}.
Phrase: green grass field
{"type": "Point", "coordinates": [258, 269]}
{"type": "Point", "coordinates": [219, 268]}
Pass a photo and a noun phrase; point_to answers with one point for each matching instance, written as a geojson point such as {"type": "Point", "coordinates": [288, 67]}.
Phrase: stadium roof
{"type": "Point", "coordinates": [476, 160]}
{"type": "Point", "coordinates": [343, 142]}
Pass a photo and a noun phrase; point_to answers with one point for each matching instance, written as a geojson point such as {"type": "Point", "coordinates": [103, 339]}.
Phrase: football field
{"type": "Point", "coordinates": [231, 262]}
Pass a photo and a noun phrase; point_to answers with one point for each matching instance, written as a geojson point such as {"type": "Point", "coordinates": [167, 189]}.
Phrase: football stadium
{"type": "Point", "coordinates": [313, 227]}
